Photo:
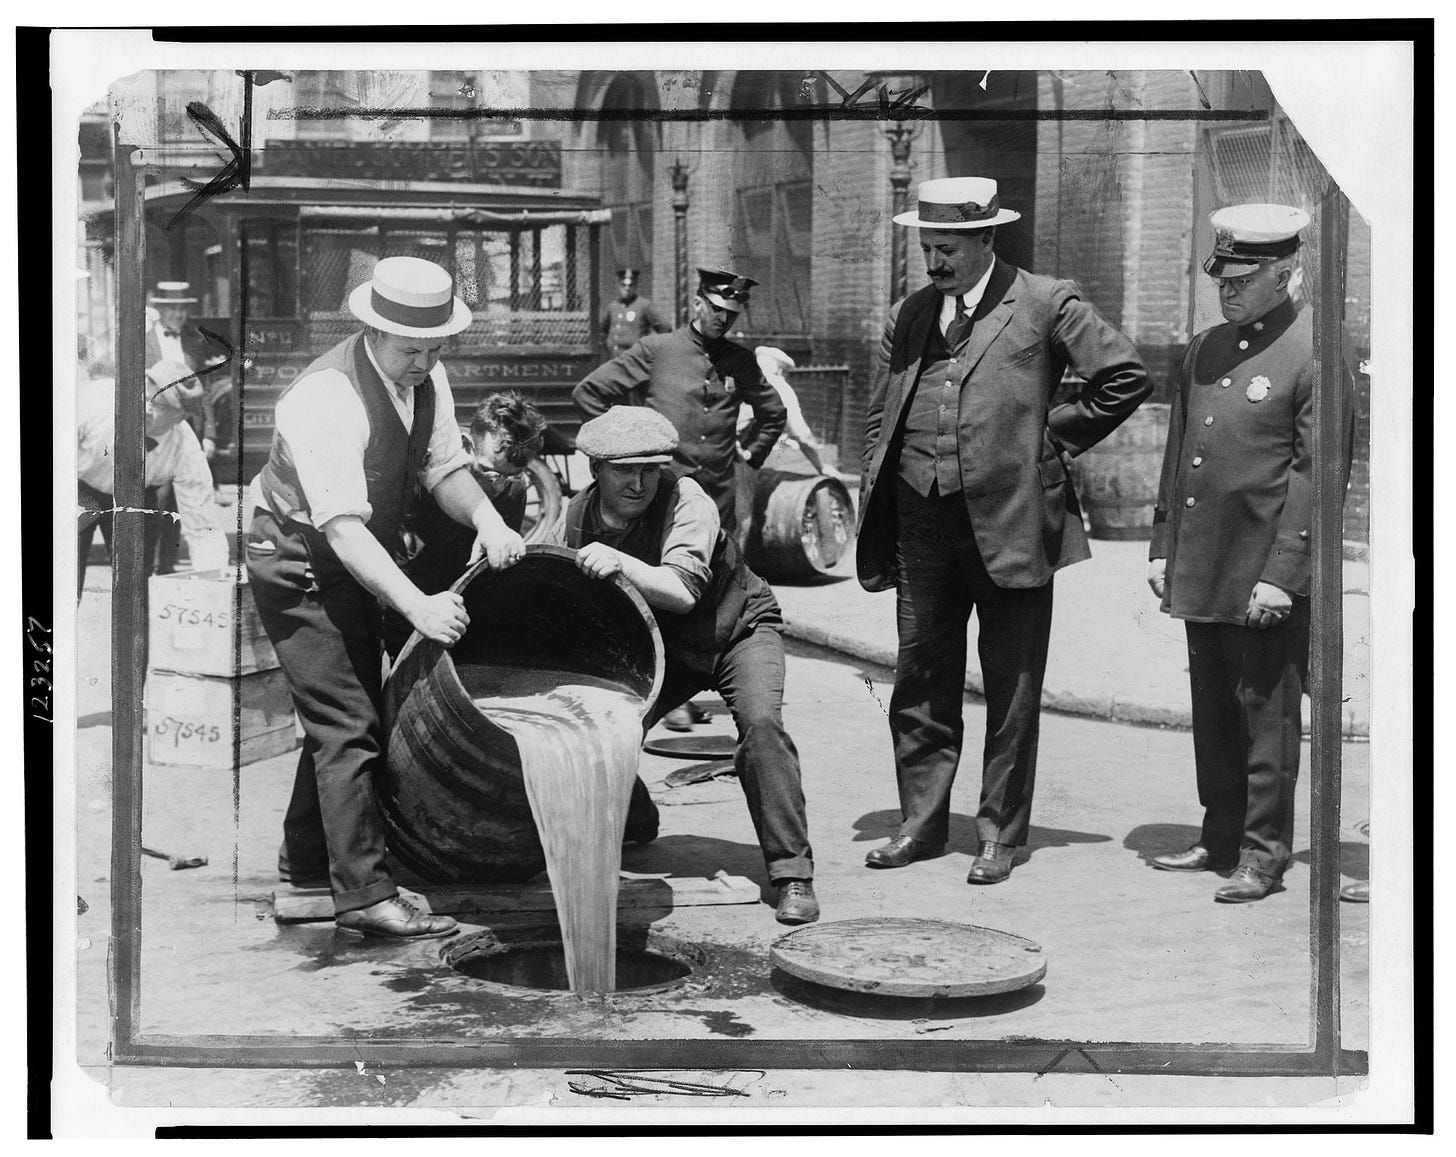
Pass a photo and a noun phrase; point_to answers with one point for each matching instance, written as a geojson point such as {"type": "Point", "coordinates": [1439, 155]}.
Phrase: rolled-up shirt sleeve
{"type": "Point", "coordinates": [689, 537]}
{"type": "Point", "coordinates": [447, 452]}
{"type": "Point", "coordinates": [324, 423]}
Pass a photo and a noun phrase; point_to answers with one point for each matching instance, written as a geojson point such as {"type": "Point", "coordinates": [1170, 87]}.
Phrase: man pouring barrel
{"type": "Point", "coordinates": [720, 623]}
{"type": "Point", "coordinates": [352, 436]}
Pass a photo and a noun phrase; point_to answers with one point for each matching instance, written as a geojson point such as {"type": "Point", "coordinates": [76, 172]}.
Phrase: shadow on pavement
{"type": "Point", "coordinates": [1038, 838]}
{"type": "Point", "coordinates": [1149, 840]}
{"type": "Point", "coordinates": [1354, 859]}
{"type": "Point", "coordinates": [694, 855]}
{"type": "Point", "coordinates": [866, 1006]}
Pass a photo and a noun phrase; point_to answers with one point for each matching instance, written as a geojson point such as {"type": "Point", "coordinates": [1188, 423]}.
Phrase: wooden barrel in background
{"type": "Point", "coordinates": [802, 525]}
{"type": "Point", "coordinates": [1117, 480]}
{"type": "Point", "coordinates": [453, 797]}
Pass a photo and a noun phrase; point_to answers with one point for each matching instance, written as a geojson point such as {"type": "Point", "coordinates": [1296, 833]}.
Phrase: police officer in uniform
{"type": "Point", "coordinates": [720, 624]}
{"type": "Point", "coordinates": [697, 379]}
{"type": "Point", "coordinates": [353, 436]}
{"type": "Point", "coordinates": [630, 317]}
{"type": "Point", "coordinates": [1230, 553]}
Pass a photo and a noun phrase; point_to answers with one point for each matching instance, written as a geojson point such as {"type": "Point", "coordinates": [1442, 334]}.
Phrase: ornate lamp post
{"type": "Point", "coordinates": [900, 136]}
{"type": "Point", "coordinates": [679, 175]}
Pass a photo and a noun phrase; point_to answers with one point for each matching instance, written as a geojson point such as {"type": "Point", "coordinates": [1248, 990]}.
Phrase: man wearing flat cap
{"type": "Point", "coordinates": [353, 435]}
{"type": "Point", "coordinates": [696, 378]}
{"type": "Point", "coordinates": [1230, 554]}
{"type": "Point", "coordinates": [720, 624]}
{"type": "Point", "coordinates": [966, 505]}
{"type": "Point", "coordinates": [629, 318]}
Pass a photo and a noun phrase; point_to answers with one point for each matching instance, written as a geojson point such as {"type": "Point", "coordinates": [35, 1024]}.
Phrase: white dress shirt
{"type": "Point", "coordinates": [326, 427]}
{"type": "Point", "coordinates": [972, 298]}
{"type": "Point", "coordinates": [177, 458]}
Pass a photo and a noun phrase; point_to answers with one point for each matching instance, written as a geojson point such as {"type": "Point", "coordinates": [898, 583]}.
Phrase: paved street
{"type": "Point", "coordinates": [1133, 954]}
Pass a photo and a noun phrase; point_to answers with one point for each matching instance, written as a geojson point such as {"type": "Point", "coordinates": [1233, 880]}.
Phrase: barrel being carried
{"type": "Point", "coordinates": [454, 797]}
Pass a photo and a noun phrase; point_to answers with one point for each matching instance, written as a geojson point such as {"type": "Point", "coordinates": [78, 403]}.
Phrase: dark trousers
{"type": "Point", "coordinates": [328, 644]}
{"type": "Point", "coordinates": [1246, 689]}
{"type": "Point", "coordinates": [93, 499]}
{"type": "Point", "coordinates": [942, 579]}
{"type": "Point", "coordinates": [750, 677]}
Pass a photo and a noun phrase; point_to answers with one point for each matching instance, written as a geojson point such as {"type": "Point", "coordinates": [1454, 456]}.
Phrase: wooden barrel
{"type": "Point", "coordinates": [1117, 480]}
{"type": "Point", "coordinates": [802, 525]}
{"type": "Point", "coordinates": [453, 797]}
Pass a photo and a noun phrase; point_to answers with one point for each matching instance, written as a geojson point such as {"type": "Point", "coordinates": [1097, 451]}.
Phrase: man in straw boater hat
{"type": "Point", "coordinates": [720, 624]}
{"type": "Point", "coordinates": [630, 317]}
{"type": "Point", "coordinates": [966, 504]}
{"type": "Point", "coordinates": [352, 437]}
{"type": "Point", "coordinates": [172, 338]}
{"type": "Point", "coordinates": [1230, 553]}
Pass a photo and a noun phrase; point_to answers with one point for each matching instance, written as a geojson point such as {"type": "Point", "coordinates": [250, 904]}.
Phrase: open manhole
{"type": "Point", "coordinates": [644, 964]}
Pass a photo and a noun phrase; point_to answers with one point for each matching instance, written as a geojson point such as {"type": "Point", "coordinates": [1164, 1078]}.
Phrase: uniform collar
{"type": "Point", "coordinates": [1273, 323]}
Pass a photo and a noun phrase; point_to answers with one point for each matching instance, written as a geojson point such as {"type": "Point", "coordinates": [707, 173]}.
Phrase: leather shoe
{"type": "Point", "coordinates": [1246, 885]}
{"type": "Point", "coordinates": [797, 902]}
{"type": "Point", "coordinates": [1356, 893]}
{"type": "Point", "coordinates": [1195, 859]}
{"type": "Point", "coordinates": [394, 919]}
{"type": "Point", "coordinates": [900, 851]}
{"type": "Point", "coordinates": [679, 719]}
{"type": "Point", "coordinates": [992, 863]}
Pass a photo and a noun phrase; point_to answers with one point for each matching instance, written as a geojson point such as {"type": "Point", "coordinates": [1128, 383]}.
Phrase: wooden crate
{"type": "Point", "coordinates": [190, 720]}
{"type": "Point", "coordinates": [191, 625]}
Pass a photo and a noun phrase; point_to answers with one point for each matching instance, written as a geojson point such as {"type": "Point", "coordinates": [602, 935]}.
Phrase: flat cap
{"type": "Point", "coordinates": [628, 434]}
{"type": "Point", "coordinates": [1246, 237]}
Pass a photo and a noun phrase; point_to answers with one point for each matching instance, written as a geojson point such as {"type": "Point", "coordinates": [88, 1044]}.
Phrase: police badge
{"type": "Point", "coordinates": [729, 385]}
{"type": "Point", "coordinates": [1258, 389]}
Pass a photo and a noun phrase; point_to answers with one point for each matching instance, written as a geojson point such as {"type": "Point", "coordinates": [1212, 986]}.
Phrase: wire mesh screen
{"type": "Point", "coordinates": [525, 287]}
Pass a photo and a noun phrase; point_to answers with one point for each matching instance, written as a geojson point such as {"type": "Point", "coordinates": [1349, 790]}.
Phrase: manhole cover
{"type": "Point", "coordinates": [895, 957]}
{"type": "Point", "coordinates": [693, 746]}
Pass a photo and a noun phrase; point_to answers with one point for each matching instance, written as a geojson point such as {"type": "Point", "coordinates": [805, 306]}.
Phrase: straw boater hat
{"type": "Point", "coordinates": [172, 293]}
{"type": "Point", "coordinates": [628, 434]}
{"type": "Point", "coordinates": [725, 290]}
{"type": "Point", "coordinates": [957, 203]}
{"type": "Point", "coordinates": [410, 297]}
{"type": "Point", "coordinates": [1247, 237]}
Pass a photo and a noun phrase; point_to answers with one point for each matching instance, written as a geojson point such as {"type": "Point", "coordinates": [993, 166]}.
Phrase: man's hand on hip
{"type": "Point", "coordinates": [1158, 575]}
{"type": "Point", "coordinates": [440, 618]}
{"type": "Point", "coordinates": [1268, 606]}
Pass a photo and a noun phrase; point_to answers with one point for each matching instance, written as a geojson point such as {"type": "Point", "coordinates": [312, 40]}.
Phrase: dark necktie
{"type": "Point", "coordinates": [172, 332]}
{"type": "Point", "coordinates": [960, 326]}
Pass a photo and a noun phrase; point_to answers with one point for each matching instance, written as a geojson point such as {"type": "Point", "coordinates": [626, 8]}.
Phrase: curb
{"type": "Point", "coordinates": [1060, 700]}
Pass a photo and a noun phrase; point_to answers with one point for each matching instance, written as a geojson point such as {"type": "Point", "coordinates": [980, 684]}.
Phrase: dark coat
{"type": "Point", "coordinates": [1236, 495]}
{"type": "Point", "coordinates": [1013, 442]}
{"type": "Point", "coordinates": [697, 386]}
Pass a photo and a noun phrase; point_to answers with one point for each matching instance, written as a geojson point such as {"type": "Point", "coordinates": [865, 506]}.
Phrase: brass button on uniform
{"type": "Point", "coordinates": [1188, 501]}
{"type": "Point", "coordinates": [1226, 383]}
{"type": "Point", "coordinates": [1243, 345]}
{"type": "Point", "coordinates": [1198, 461]}
{"type": "Point", "coordinates": [1208, 421]}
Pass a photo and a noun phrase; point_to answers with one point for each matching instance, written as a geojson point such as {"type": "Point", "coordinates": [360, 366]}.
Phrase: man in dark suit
{"type": "Point", "coordinates": [966, 504]}
{"type": "Point", "coordinates": [1231, 549]}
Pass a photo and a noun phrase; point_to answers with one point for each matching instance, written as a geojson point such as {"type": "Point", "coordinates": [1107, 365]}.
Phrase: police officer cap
{"type": "Point", "coordinates": [628, 434]}
{"type": "Point", "coordinates": [725, 290]}
{"type": "Point", "coordinates": [1246, 237]}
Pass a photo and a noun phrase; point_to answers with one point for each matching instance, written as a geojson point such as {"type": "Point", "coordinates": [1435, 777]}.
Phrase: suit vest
{"type": "Point", "coordinates": [735, 602]}
{"type": "Point", "coordinates": [393, 456]}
